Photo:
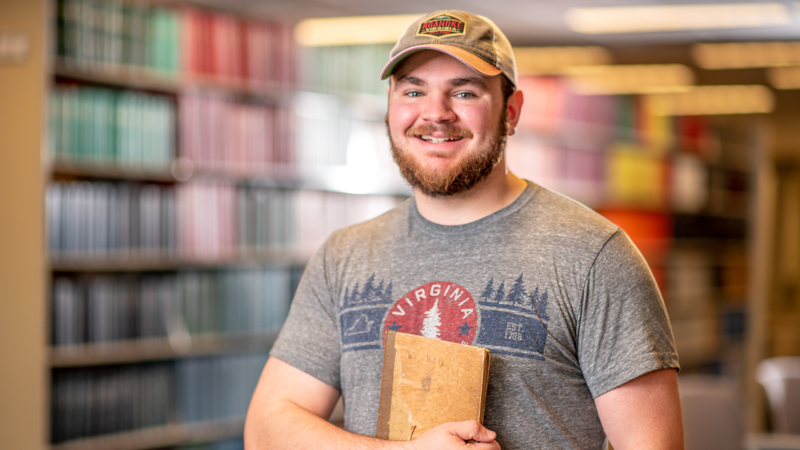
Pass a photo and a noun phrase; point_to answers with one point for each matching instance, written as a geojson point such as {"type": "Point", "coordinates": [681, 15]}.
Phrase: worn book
{"type": "Point", "coordinates": [427, 382]}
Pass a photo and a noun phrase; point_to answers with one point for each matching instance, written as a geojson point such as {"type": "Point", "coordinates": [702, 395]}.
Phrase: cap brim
{"type": "Point", "coordinates": [474, 62]}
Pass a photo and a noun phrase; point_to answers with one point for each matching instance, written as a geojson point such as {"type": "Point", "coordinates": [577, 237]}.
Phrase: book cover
{"type": "Point", "coordinates": [427, 382]}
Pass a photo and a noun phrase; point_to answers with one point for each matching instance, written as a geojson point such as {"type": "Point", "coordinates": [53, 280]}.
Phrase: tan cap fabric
{"type": "Point", "coordinates": [472, 39]}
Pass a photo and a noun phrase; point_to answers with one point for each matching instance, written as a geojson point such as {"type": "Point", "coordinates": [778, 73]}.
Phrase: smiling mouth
{"type": "Point", "coordinates": [435, 140]}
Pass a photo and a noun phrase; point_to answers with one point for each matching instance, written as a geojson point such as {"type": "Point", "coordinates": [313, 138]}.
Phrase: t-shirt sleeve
{"type": "Point", "coordinates": [309, 339]}
{"type": "Point", "coordinates": [624, 331]}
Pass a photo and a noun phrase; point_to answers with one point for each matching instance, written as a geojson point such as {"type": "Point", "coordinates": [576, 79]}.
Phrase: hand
{"type": "Point", "coordinates": [457, 435]}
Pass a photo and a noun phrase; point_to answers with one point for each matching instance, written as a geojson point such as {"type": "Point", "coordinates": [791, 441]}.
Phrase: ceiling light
{"type": "Point", "coordinates": [713, 100]}
{"type": "Point", "coordinates": [553, 60]}
{"type": "Point", "coordinates": [352, 30]}
{"type": "Point", "coordinates": [746, 54]}
{"type": "Point", "coordinates": [639, 19]}
{"type": "Point", "coordinates": [629, 79]}
{"type": "Point", "coordinates": [784, 77]}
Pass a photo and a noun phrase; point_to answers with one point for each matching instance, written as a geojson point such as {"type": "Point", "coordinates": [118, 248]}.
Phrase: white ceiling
{"type": "Point", "coordinates": [525, 22]}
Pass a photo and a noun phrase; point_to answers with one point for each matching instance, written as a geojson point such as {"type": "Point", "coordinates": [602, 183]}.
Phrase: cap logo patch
{"type": "Point", "coordinates": [443, 25]}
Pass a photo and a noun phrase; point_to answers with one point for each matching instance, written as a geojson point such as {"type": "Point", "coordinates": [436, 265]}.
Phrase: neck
{"type": "Point", "coordinates": [492, 194]}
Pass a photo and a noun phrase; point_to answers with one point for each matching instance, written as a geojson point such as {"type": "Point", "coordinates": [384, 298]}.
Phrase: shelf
{"type": "Point", "coordinates": [110, 171]}
{"type": "Point", "coordinates": [132, 263]}
{"type": "Point", "coordinates": [337, 178]}
{"type": "Point", "coordinates": [131, 77]}
{"type": "Point", "coordinates": [181, 170]}
{"type": "Point", "coordinates": [158, 437]}
{"type": "Point", "coordinates": [146, 350]}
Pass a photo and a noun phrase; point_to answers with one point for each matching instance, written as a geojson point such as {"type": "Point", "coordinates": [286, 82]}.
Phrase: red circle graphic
{"type": "Point", "coordinates": [439, 309]}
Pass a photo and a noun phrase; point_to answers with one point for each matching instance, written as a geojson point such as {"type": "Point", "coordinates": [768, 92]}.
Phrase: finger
{"type": "Point", "coordinates": [472, 430]}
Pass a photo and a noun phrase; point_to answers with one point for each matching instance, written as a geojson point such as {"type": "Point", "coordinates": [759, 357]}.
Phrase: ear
{"type": "Point", "coordinates": [514, 109]}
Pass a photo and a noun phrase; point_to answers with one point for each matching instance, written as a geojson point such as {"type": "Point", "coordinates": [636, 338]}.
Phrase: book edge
{"type": "Point", "coordinates": [387, 381]}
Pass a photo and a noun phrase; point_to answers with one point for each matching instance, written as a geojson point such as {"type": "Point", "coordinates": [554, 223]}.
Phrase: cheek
{"type": "Point", "coordinates": [400, 119]}
{"type": "Point", "coordinates": [481, 121]}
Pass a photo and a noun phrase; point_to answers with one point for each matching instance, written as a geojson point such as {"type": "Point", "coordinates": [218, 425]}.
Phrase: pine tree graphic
{"type": "Point", "coordinates": [369, 289]}
{"type": "Point", "coordinates": [541, 308]}
{"type": "Point", "coordinates": [487, 293]}
{"type": "Point", "coordinates": [540, 304]}
{"type": "Point", "coordinates": [501, 293]}
{"type": "Point", "coordinates": [354, 294]}
{"type": "Point", "coordinates": [517, 293]}
{"type": "Point", "coordinates": [430, 326]}
{"type": "Point", "coordinates": [378, 294]}
{"type": "Point", "coordinates": [387, 294]}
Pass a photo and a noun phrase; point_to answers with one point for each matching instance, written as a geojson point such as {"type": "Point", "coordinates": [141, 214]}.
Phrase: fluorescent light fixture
{"type": "Point", "coordinates": [643, 19]}
{"type": "Point", "coordinates": [352, 30]}
{"type": "Point", "coordinates": [630, 79]}
{"type": "Point", "coordinates": [713, 100]}
{"type": "Point", "coordinates": [737, 55]}
{"type": "Point", "coordinates": [784, 77]}
{"type": "Point", "coordinates": [553, 60]}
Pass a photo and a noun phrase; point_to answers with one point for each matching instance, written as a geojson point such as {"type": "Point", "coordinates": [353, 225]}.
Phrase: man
{"type": "Point", "coordinates": [581, 346]}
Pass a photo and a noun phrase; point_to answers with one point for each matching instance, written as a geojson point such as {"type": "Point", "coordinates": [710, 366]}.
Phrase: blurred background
{"type": "Point", "coordinates": [167, 167]}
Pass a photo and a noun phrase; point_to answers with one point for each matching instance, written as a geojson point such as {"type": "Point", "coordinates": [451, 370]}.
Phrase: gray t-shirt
{"type": "Point", "coordinates": [560, 296]}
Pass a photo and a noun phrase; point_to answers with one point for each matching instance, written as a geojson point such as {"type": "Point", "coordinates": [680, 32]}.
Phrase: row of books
{"type": "Point", "coordinates": [595, 122]}
{"type": "Point", "coordinates": [111, 34]}
{"type": "Point", "coordinates": [199, 221]}
{"type": "Point", "coordinates": [626, 175]}
{"type": "Point", "coordinates": [227, 381]}
{"type": "Point", "coordinates": [218, 134]}
{"type": "Point", "coordinates": [107, 308]}
{"type": "Point", "coordinates": [86, 219]}
{"type": "Point", "coordinates": [127, 35]}
{"type": "Point", "coordinates": [91, 402]}
{"type": "Point", "coordinates": [128, 129]}
{"type": "Point", "coordinates": [98, 401]}
{"type": "Point", "coordinates": [344, 69]}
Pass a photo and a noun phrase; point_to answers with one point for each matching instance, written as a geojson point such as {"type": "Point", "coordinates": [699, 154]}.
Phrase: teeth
{"type": "Point", "coordinates": [435, 140]}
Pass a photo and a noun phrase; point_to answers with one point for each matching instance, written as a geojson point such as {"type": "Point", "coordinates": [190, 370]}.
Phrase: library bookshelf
{"type": "Point", "coordinates": [181, 205]}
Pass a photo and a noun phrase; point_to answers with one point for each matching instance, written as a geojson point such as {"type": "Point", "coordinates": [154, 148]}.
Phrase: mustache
{"type": "Point", "coordinates": [446, 129]}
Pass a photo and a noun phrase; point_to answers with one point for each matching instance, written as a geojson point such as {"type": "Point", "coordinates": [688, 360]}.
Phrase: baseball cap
{"type": "Point", "coordinates": [472, 39]}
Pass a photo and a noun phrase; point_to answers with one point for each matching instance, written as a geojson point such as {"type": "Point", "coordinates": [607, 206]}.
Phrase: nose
{"type": "Point", "coordinates": [437, 108]}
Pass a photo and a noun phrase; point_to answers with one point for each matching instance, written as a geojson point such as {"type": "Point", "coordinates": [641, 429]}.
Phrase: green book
{"type": "Point", "coordinates": [54, 123]}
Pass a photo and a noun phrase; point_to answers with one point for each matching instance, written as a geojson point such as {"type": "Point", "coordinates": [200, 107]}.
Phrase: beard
{"type": "Point", "coordinates": [453, 180]}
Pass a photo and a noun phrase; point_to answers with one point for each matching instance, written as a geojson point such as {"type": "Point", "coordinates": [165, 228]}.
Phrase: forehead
{"type": "Point", "coordinates": [433, 63]}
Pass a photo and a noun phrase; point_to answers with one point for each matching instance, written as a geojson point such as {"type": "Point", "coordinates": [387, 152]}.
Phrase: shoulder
{"type": "Point", "coordinates": [554, 217]}
{"type": "Point", "coordinates": [379, 230]}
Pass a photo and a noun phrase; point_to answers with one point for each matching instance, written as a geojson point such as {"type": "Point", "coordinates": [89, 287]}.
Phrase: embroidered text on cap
{"type": "Point", "coordinates": [442, 25]}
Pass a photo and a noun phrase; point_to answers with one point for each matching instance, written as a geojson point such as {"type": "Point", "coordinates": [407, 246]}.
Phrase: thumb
{"type": "Point", "coordinates": [472, 430]}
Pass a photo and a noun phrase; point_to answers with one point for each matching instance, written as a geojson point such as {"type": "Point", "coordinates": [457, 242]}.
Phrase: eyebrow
{"type": "Point", "coordinates": [468, 81]}
{"type": "Point", "coordinates": [455, 82]}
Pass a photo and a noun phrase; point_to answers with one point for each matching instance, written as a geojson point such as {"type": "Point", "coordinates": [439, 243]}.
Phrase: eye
{"type": "Point", "coordinates": [413, 94]}
{"type": "Point", "coordinates": [465, 95]}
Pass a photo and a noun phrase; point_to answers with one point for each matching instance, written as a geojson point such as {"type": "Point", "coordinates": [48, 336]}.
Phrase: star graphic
{"type": "Point", "coordinates": [394, 326]}
{"type": "Point", "coordinates": [465, 329]}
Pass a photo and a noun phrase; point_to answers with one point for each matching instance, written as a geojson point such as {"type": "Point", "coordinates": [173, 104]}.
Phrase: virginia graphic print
{"type": "Point", "coordinates": [439, 309]}
{"type": "Point", "coordinates": [508, 320]}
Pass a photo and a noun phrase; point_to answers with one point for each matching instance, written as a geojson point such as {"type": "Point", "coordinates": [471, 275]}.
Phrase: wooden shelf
{"type": "Point", "coordinates": [140, 263]}
{"type": "Point", "coordinates": [132, 77]}
{"type": "Point", "coordinates": [159, 349]}
{"type": "Point", "coordinates": [181, 170]}
{"type": "Point", "coordinates": [62, 170]}
{"type": "Point", "coordinates": [158, 437]}
{"type": "Point", "coordinates": [343, 179]}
